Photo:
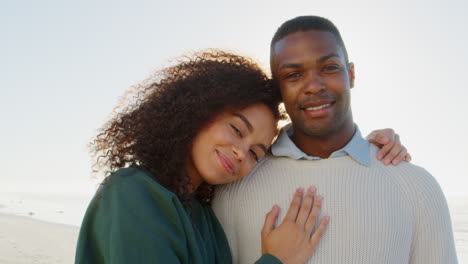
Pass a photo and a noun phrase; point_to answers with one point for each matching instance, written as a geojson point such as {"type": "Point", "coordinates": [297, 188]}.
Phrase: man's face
{"type": "Point", "coordinates": [315, 81]}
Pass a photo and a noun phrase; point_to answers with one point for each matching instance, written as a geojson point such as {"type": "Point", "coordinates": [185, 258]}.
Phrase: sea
{"type": "Point", "coordinates": [69, 208]}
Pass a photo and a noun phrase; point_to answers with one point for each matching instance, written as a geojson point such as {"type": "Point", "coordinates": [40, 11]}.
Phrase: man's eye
{"type": "Point", "coordinates": [236, 130]}
{"type": "Point", "coordinates": [255, 156]}
{"type": "Point", "coordinates": [293, 75]}
{"type": "Point", "coordinates": [331, 68]}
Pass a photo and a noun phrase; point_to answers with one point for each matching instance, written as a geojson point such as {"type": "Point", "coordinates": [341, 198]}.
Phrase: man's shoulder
{"type": "Point", "coordinates": [254, 178]}
{"type": "Point", "coordinates": [401, 169]}
{"type": "Point", "coordinates": [410, 178]}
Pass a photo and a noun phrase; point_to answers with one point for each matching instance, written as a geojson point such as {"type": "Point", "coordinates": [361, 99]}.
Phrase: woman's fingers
{"type": "Point", "coordinates": [401, 156]}
{"type": "Point", "coordinates": [293, 240]}
{"type": "Point", "coordinates": [391, 149]}
{"type": "Point", "coordinates": [270, 220]}
{"type": "Point", "coordinates": [312, 219]}
{"type": "Point", "coordinates": [379, 138]}
{"type": "Point", "coordinates": [291, 215]}
{"type": "Point", "coordinates": [407, 157]}
{"type": "Point", "coordinates": [315, 238]}
{"type": "Point", "coordinates": [396, 148]}
{"type": "Point", "coordinates": [388, 142]}
{"type": "Point", "coordinates": [306, 207]}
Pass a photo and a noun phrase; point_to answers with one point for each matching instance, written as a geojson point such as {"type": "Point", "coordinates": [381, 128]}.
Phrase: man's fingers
{"type": "Point", "coordinates": [270, 220]}
{"type": "Point", "coordinates": [312, 219]}
{"type": "Point", "coordinates": [306, 206]}
{"type": "Point", "coordinates": [291, 215]}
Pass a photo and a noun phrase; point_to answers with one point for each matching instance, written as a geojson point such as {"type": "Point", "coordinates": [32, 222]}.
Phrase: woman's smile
{"type": "Point", "coordinates": [231, 145]}
{"type": "Point", "coordinates": [226, 163]}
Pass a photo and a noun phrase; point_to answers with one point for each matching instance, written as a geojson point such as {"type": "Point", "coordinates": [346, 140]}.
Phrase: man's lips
{"type": "Point", "coordinates": [316, 103]}
{"type": "Point", "coordinates": [225, 162]}
{"type": "Point", "coordinates": [317, 108]}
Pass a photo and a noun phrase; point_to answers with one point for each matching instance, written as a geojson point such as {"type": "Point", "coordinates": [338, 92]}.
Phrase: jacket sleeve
{"type": "Point", "coordinates": [132, 219]}
{"type": "Point", "coordinates": [268, 259]}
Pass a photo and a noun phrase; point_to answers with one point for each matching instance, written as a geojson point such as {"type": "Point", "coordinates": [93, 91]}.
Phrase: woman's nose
{"type": "Point", "coordinates": [239, 154]}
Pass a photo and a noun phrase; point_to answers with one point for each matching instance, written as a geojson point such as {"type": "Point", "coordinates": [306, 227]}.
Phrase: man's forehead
{"type": "Point", "coordinates": [305, 43]}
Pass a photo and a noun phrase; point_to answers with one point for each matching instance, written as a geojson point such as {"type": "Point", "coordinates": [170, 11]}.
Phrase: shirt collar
{"type": "Point", "coordinates": [357, 148]}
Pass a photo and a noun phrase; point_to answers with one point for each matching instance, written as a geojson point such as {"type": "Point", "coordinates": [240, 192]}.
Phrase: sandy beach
{"type": "Point", "coordinates": [25, 240]}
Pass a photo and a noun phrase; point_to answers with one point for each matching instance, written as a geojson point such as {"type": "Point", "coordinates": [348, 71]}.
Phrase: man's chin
{"type": "Point", "coordinates": [320, 130]}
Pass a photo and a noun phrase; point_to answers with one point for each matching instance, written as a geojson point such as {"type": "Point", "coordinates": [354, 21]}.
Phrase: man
{"type": "Point", "coordinates": [378, 213]}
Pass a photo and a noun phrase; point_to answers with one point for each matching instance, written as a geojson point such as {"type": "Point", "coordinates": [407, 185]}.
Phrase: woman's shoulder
{"type": "Point", "coordinates": [130, 213]}
{"type": "Point", "coordinates": [132, 183]}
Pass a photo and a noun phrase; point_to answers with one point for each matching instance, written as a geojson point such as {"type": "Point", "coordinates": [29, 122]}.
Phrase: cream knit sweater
{"type": "Point", "coordinates": [378, 214]}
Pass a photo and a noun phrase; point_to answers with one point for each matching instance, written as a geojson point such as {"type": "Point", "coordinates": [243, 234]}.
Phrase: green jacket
{"type": "Point", "coordinates": [133, 219]}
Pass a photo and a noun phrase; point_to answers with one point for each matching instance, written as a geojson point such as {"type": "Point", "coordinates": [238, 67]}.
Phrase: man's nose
{"type": "Point", "coordinates": [314, 83]}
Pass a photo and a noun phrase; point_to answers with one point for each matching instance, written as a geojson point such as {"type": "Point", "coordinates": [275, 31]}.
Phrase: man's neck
{"type": "Point", "coordinates": [324, 146]}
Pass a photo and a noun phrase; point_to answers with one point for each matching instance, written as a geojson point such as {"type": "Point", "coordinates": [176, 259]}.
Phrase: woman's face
{"type": "Point", "coordinates": [230, 146]}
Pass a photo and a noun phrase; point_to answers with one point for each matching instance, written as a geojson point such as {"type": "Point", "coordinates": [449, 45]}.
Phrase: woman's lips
{"type": "Point", "coordinates": [225, 162]}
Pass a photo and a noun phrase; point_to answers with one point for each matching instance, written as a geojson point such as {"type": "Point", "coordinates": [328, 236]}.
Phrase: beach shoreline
{"type": "Point", "coordinates": [40, 229]}
{"type": "Point", "coordinates": [28, 240]}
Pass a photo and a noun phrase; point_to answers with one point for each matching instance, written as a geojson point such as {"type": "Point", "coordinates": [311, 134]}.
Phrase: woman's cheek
{"type": "Point", "coordinates": [246, 169]}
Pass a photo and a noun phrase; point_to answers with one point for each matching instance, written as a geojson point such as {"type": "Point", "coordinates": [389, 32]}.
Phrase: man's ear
{"type": "Point", "coordinates": [351, 74]}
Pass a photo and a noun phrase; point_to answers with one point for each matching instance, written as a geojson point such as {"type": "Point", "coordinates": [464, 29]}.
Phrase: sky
{"type": "Point", "coordinates": [65, 64]}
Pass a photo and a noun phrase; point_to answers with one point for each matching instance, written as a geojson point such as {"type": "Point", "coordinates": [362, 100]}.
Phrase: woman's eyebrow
{"type": "Point", "coordinates": [246, 121]}
{"type": "Point", "coordinates": [263, 148]}
{"type": "Point", "coordinates": [251, 129]}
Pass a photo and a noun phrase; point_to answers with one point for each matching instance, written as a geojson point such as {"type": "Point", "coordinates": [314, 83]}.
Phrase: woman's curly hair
{"type": "Point", "coordinates": [155, 129]}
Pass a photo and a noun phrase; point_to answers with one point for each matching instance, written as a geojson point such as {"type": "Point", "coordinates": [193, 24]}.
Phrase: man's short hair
{"type": "Point", "coordinates": [306, 23]}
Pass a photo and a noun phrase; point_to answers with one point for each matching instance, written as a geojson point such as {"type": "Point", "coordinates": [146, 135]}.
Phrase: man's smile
{"type": "Point", "coordinates": [318, 108]}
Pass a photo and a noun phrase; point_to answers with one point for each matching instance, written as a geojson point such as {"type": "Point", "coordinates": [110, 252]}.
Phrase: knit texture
{"type": "Point", "coordinates": [378, 214]}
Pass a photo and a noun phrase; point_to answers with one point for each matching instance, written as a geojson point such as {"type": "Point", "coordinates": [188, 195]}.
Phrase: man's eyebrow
{"type": "Point", "coordinates": [290, 65]}
{"type": "Point", "coordinates": [246, 121]}
{"type": "Point", "coordinates": [299, 65]}
{"type": "Point", "coordinates": [324, 58]}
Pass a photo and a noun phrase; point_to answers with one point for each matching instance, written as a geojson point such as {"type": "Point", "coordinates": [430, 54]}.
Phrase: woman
{"type": "Point", "coordinates": [206, 121]}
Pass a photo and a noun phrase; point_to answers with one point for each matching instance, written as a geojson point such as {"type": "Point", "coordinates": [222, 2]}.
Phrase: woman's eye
{"type": "Point", "coordinates": [236, 130]}
{"type": "Point", "coordinates": [254, 154]}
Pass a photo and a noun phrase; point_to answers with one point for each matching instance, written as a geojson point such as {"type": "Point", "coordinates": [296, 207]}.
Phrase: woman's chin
{"type": "Point", "coordinates": [221, 180]}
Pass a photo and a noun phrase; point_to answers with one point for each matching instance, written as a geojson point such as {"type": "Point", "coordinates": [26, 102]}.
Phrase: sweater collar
{"type": "Point", "coordinates": [357, 148]}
